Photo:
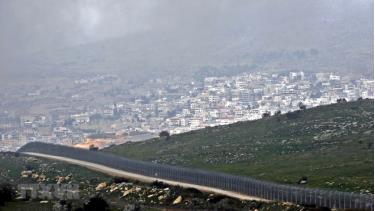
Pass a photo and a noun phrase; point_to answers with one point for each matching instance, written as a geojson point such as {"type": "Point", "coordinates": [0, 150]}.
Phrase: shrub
{"type": "Point", "coordinates": [7, 193]}
{"type": "Point", "coordinates": [292, 115]}
{"type": "Point", "coordinates": [301, 106]}
{"type": "Point", "coordinates": [266, 114]}
{"type": "Point", "coordinates": [165, 134]}
{"type": "Point", "coordinates": [96, 204]}
{"type": "Point", "coordinates": [341, 100]}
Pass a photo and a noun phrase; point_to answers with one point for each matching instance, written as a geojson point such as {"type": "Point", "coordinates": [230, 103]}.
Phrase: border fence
{"type": "Point", "coordinates": [239, 184]}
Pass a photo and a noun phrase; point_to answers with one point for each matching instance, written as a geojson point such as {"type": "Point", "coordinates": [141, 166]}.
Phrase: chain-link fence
{"type": "Point", "coordinates": [239, 184]}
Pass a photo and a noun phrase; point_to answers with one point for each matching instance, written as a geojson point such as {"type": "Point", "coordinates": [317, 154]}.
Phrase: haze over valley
{"type": "Point", "coordinates": [139, 40]}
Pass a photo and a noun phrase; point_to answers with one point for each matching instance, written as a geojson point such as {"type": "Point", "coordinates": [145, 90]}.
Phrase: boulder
{"type": "Point", "coordinates": [42, 178]}
{"type": "Point", "coordinates": [60, 179]}
{"type": "Point", "coordinates": [26, 173]}
{"type": "Point", "coordinates": [178, 200]}
{"type": "Point", "coordinates": [137, 189]}
{"type": "Point", "coordinates": [127, 192]}
{"type": "Point", "coordinates": [113, 189]}
{"type": "Point", "coordinates": [101, 186]}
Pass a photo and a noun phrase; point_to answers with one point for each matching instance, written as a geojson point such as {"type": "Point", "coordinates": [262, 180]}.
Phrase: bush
{"type": "Point", "coordinates": [266, 114]}
{"type": "Point", "coordinates": [164, 134]}
{"type": "Point", "coordinates": [96, 204]}
{"type": "Point", "coordinates": [7, 193]}
{"type": "Point", "coordinates": [301, 106]}
{"type": "Point", "coordinates": [341, 100]}
{"type": "Point", "coordinates": [292, 115]}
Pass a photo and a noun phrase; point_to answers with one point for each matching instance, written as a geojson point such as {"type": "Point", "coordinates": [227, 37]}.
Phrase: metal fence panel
{"type": "Point", "coordinates": [243, 185]}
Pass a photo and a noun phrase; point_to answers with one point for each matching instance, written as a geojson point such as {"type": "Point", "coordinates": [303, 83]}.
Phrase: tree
{"type": "Point", "coordinates": [7, 193]}
{"type": "Point", "coordinates": [341, 100]}
{"type": "Point", "coordinates": [266, 114]}
{"type": "Point", "coordinates": [278, 114]}
{"type": "Point", "coordinates": [96, 204]}
{"type": "Point", "coordinates": [92, 147]}
{"type": "Point", "coordinates": [301, 106]}
{"type": "Point", "coordinates": [165, 134]}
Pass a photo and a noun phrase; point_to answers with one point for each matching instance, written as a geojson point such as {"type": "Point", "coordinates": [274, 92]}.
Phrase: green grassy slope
{"type": "Point", "coordinates": [147, 196]}
{"type": "Point", "coordinates": [332, 145]}
{"type": "Point", "coordinates": [11, 167]}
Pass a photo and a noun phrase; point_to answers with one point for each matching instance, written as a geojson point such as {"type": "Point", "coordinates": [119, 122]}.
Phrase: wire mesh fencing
{"type": "Point", "coordinates": [238, 184]}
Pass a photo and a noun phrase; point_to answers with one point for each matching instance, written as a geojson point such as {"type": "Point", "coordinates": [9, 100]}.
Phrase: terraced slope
{"type": "Point", "coordinates": [331, 145]}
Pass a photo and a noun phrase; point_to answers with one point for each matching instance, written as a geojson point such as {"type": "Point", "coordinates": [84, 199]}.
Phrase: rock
{"type": "Point", "coordinates": [31, 159]}
{"type": "Point", "coordinates": [26, 173]}
{"type": "Point", "coordinates": [60, 179]}
{"type": "Point", "coordinates": [34, 176]}
{"type": "Point", "coordinates": [42, 178]}
{"type": "Point", "coordinates": [101, 186]}
{"type": "Point", "coordinates": [113, 189]}
{"type": "Point", "coordinates": [303, 182]}
{"type": "Point", "coordinates": [137, 189]}
{"type": "Point", "coordinates": [127, 192]}
{"type": "Point", "coordinates": [178, 200]}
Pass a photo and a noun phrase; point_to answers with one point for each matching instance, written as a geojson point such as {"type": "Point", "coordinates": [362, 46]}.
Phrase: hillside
{"type": "Point", "coordinates": [119, 193]}
{"type": "Point", "coordinates": [331, 145]}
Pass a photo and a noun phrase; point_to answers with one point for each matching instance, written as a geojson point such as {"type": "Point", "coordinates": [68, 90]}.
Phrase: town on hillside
{"type": "Point", "coordinates": [101, 110]}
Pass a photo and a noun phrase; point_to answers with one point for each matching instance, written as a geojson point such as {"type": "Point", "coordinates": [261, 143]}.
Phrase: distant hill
{"type": "Point", "coordinates": [264, 36]}
{"type": "Point", "coordinates": [331, 145]}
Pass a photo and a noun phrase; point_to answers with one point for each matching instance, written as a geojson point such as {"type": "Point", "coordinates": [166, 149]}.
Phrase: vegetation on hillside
{"type": "Point", "coordinates": [101, 192]}
{"type": "Point", "coordinates": [330, 146]}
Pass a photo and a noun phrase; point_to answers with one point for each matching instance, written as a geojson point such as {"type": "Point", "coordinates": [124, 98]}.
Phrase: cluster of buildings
{"type": "Point", "coordinates": [225, 100]}
{"type": "Point", "coordinates": [177, 105]}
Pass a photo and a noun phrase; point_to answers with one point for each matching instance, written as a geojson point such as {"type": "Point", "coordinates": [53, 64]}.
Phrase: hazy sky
{"type": "Point", "coordinates": [29, 26]}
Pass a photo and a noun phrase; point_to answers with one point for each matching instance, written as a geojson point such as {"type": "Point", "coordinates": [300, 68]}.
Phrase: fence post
{"type": "Point", "coordinates": [320, 199]}
{"type": "Point", "coordinates": [314, 192]}
{"type": "Point", "coordinates": [278, 194]}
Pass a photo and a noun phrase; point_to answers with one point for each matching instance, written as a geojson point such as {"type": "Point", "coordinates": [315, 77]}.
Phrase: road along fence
{"type": "Point", "coordinates": [238, 184]}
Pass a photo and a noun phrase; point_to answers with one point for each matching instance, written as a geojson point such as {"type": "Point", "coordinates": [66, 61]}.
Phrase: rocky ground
{"type": "Point", "coordinates": [119, 193]}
